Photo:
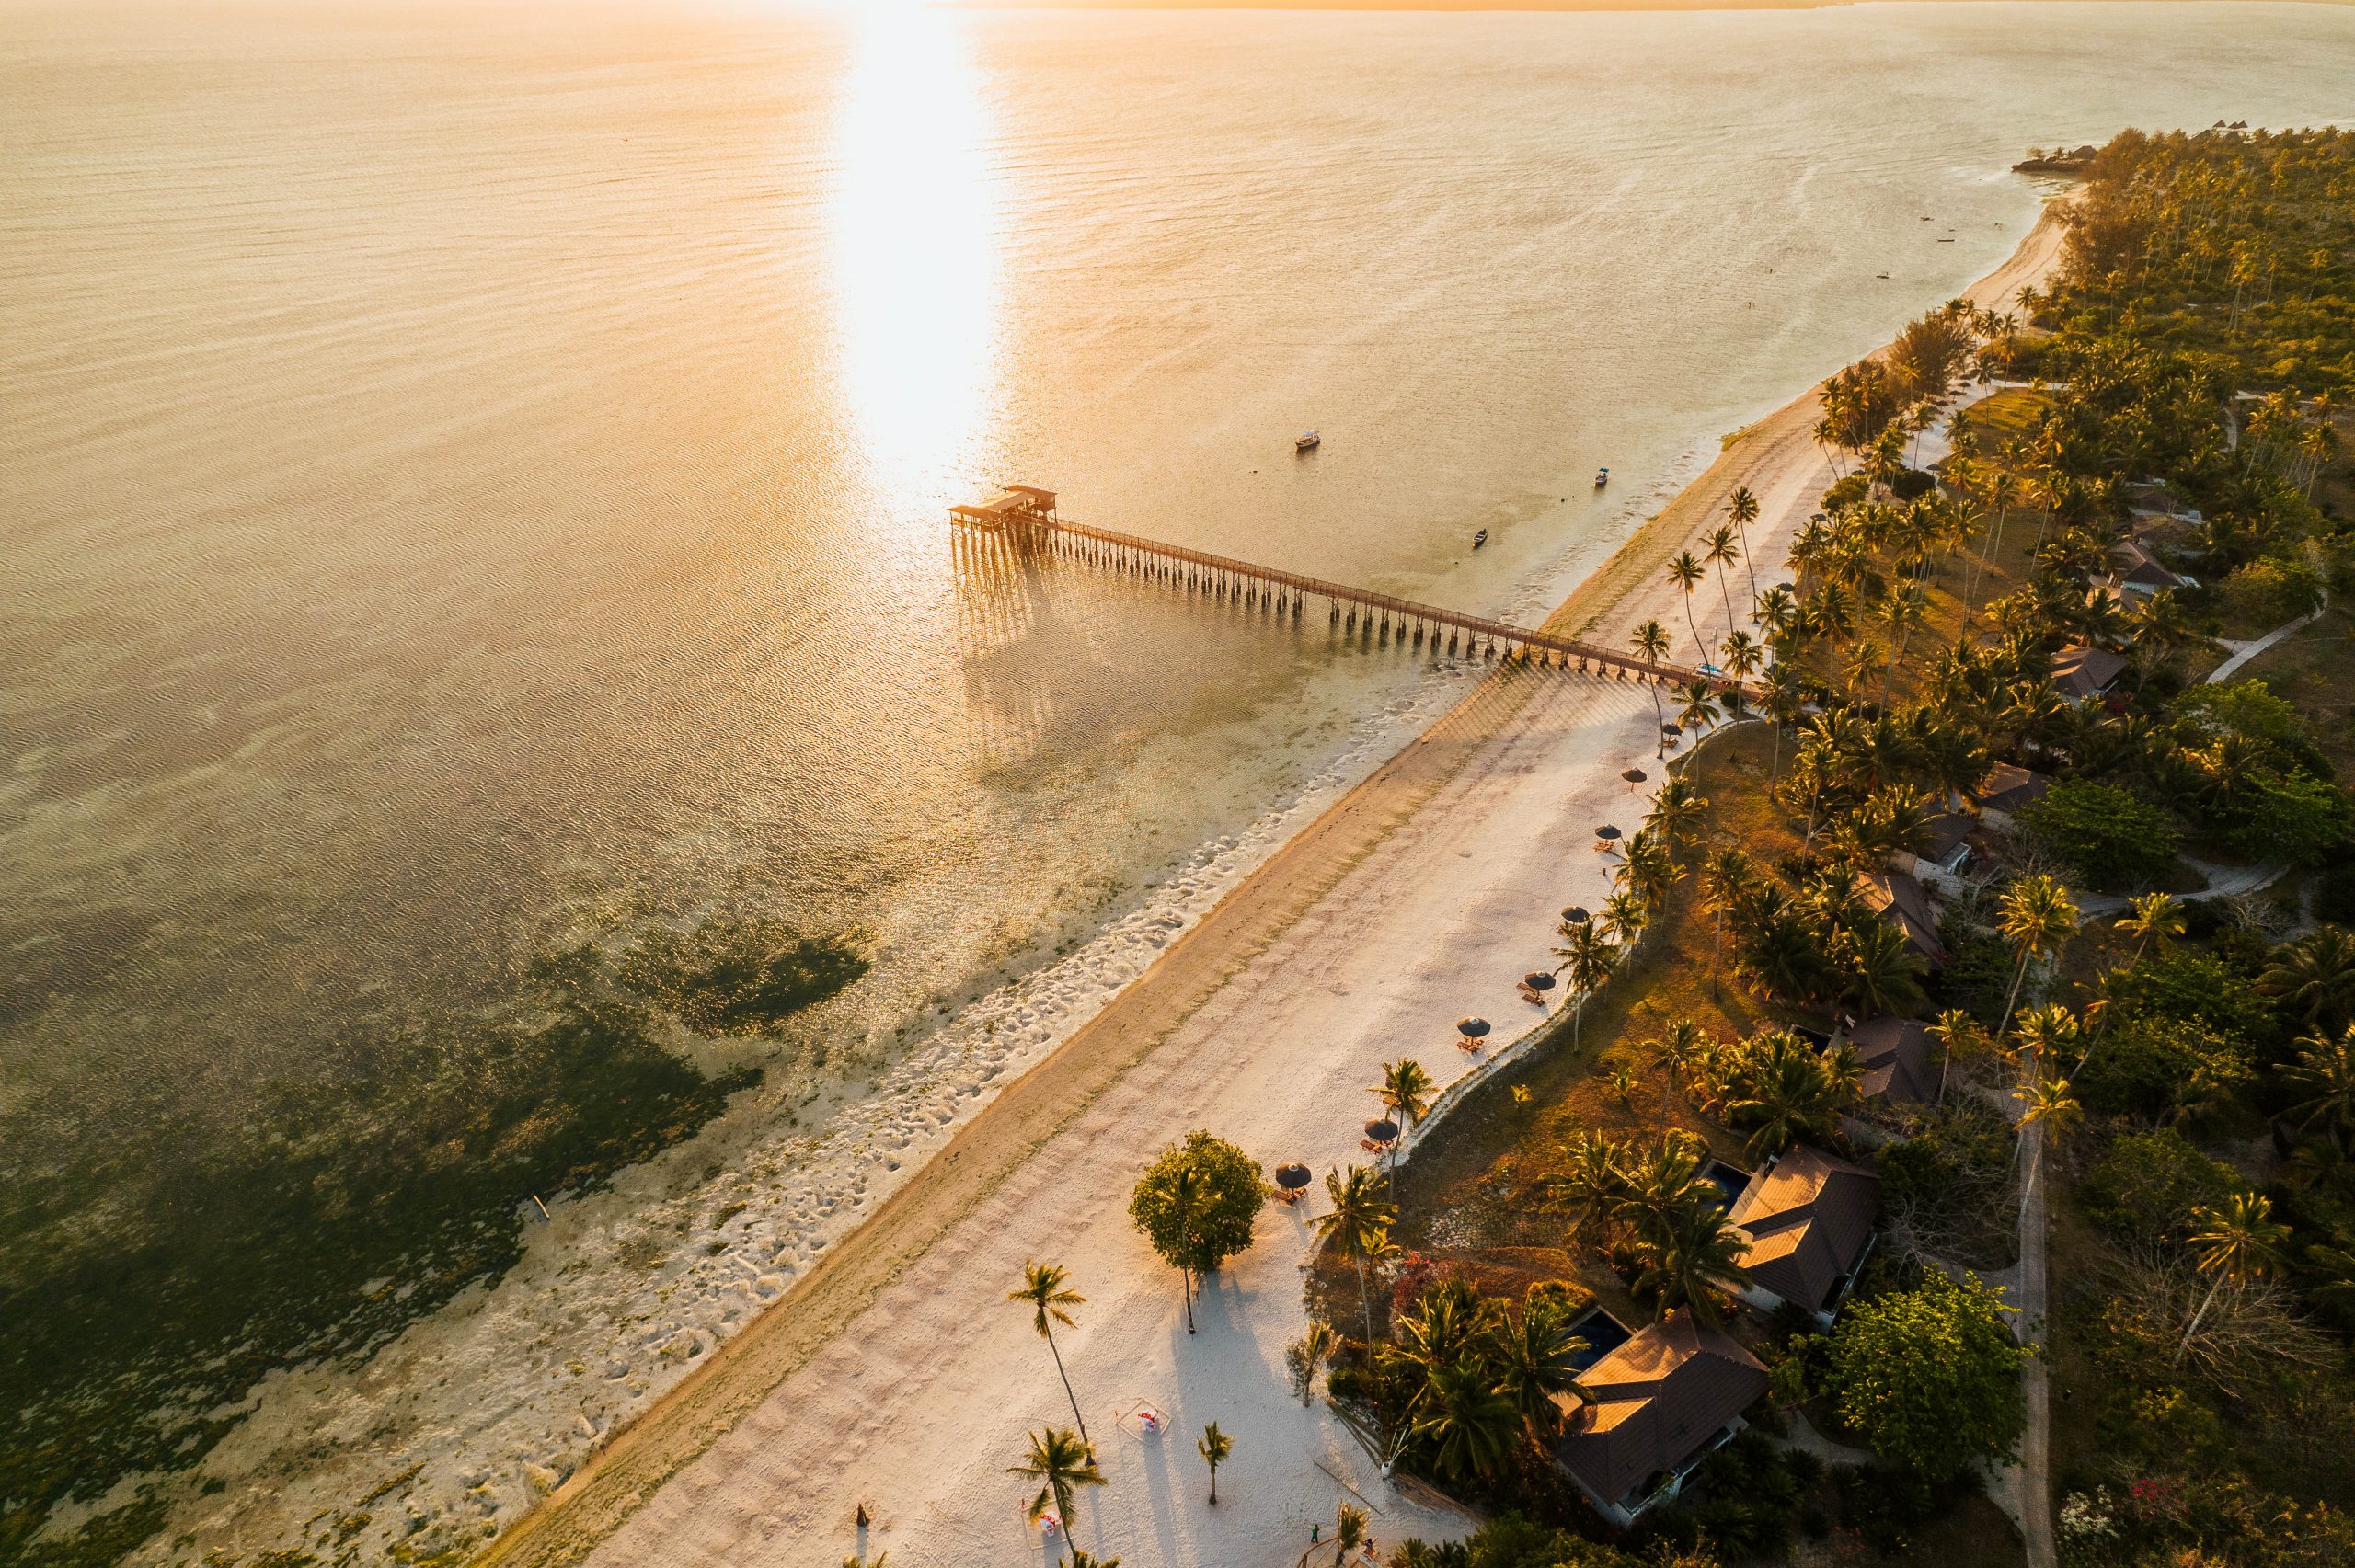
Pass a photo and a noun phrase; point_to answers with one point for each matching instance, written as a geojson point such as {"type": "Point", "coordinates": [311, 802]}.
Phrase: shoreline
{"type": "Point", "coordinates": [1775, 453]}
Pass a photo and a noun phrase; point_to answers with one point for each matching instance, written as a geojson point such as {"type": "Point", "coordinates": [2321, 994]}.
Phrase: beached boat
{"type": "Point", "coordinates": [1306, 442]}
{"type": "Point", "coordinates": [1479, 539]}
{"type": "Point", "coordinates": [1602, 477]}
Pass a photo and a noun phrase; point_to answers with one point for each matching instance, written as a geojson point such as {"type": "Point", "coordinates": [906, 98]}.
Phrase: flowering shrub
{"type": "Point", "coordinates": [2085, 1526]}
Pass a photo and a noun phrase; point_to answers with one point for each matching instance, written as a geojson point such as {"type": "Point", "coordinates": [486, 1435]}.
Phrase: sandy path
{"type": "Point", "coordinates": [897, 1376]}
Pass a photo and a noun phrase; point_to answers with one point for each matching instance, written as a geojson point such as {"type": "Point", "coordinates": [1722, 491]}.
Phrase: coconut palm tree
{"type": "Point", "coordinates": [1588, 961]}
{"type": "Point", "coordinates": [1783, 697]}
{"type": "Point", "coordinates": [2046, 1104]}
{"type": "Point", "coordinates": [1349, 1530]}
{"type": "Point", "coordinates": [1537, 1360]}
{"type": "Point", "coordinates": [1725, 879]}
{"type": "Point", "coordinates": [1622, 918]}
{"type": "Point", "coordinates": [1790, 1096]}
{"type": "Point", "coordinates": [1359, 1222]}
{"type": "Point", "coordinates": [1743, 510]}
{"type": "Point", "coordinates": [1044, 1289]}
{"type": "Point", "coordinates": [1623, 1081]}
{"type": "Point", "coordinates": [1675, 811]}
{"type": "Point", "coordinates": [1697, 1255]}
{"type": "Point", "coordinates": [2315, 974]}
{"type": "Point", "coordinates": [1587, 1186]}
{"type": "Point", "coordinates": [1884, 973]}
{"type": "Point", "coordinates": [1647, 866]}
{"type": "Point", "coordinates": [1741, 654]}
{"type": "Point", "coordinates": [1405, 1090]}
{"type": "Point", "coordinates": [1188, 1191]}
{"type": "Point", "coordinates": [1661, 1183]}
{"type": "Point", "coordinates": [2037, 917]}
{"type": "Point", "coordinates": [1061, 1463]}
{"type": "Point", "coordinates": [1686, 573]}
{"type": "Point", "coordinates": [2325, 1073]}
{"type": "Point", "coordinates": [1213, 1446]}
{"type": "Point", "coordinates": [2046, 1032]}
{"type": "Point", "coordinates": [1470, 1421]}
{"type": "Point", "coordinates": [1699, 710]}
{"type": "Point", "coordinates": [1777, 610]}
{"type": "Point", "coordinates": [1719, 550]}
{"type": "Point", "coordinates": [1650, 643]}
{"type": "Point", "coordinates": [2241, 1242]}
{"type": "Point", "coordinates": [1958, 1034]}
{"type": "Point", "coordinates": [2156, 920]}
{"type": "Point", "coordinates": [1679, 1048]}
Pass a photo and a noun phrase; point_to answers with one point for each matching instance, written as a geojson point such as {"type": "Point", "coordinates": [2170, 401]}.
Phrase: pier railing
{"type": "Point", "coordinates": [1224, 577]}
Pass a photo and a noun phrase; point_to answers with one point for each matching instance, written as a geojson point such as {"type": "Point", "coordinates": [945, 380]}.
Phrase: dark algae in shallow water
{"type": "Point", "coordinates": [747, 977]}
{"type": "Point", "coordinates": [148, 1281]}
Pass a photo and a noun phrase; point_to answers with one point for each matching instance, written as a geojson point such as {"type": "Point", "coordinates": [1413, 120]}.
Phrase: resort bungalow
{"type": "Point", "coordinates": [1808, 1219]}
{"type": "Point", "coordinates": [1946, 852]}
{"type": "Point", "coordinates": [2082, 674]}
{"type": "Point", "coordinates": [1901, 900]}
{"type": "Point", "coordinates": [1902, 1062]}
{"type": "Point", "coordinates": [1659, 1405]}
{"type": "Point", "coordinates": [2005, 789]}
{"type": "Point", "coordinates": [2137, 573]}
{"type": "Point", "coordinates": [2152, 500]}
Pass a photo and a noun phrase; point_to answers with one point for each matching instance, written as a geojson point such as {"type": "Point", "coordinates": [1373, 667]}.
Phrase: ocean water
{"type": "Point", "coordinates": [474, 477]}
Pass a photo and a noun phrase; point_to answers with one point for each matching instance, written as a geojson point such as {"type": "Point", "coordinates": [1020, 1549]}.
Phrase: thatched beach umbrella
{"type": "Point", "coordinates": [1606, 836]}
{"type": "Point", "coordinates": [1635, 775]}
{"type": "Point", "coordinates": [1381, 1131]}
{"type": "Point", "coordinates": [1538, 979]}
{"type": "Point", "coordinates": [1292, 1180]}
{"type": "Point", "coordinates": [1471, 1028]}
{"type": "Point", "coordinates": [1576, 914]}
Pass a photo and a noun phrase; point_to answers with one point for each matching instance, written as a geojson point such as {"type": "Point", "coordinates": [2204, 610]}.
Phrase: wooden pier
{"type": "Point", "coordinates": [1025, 517]}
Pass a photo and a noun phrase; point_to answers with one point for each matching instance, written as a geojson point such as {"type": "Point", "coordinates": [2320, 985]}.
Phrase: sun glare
{"type": "Point", "coordinates": [915, 250]}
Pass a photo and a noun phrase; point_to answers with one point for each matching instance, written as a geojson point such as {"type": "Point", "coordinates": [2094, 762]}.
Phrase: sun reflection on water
{"type": "Point", "coordinates": [914, 227]}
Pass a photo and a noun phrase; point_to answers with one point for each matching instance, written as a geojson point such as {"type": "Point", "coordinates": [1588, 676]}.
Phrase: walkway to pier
{"type": "Point", "coordinates": [1025, 518]}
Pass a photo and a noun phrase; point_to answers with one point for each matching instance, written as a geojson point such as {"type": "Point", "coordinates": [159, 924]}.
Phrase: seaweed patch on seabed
{"type": "Point", "coordinates": [149, 1279]}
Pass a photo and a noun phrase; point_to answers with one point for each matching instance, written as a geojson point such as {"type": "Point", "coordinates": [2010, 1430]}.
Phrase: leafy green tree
{"type": "Point", "coordinates": [2145, 1186]}
{"type": "Point", "coordinates": [1195, 1204]}
{"type": "Point", "coordinates": [2162, 1069]}
{"type": "Point", "coordinates": [1930, 1376]}
{"type": "Point", "coordinates": [2288, 819]}
{"type": "Point", "coordinates": [2114, 838]}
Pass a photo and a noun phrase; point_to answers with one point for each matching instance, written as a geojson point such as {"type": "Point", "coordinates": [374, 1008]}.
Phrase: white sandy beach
{"type": "Point", "coordinates": [920, 1402]}
{"type": "Point", "coordinates": [919, 1408]}
{"type": "Point", "coordinates": [890, 1372]}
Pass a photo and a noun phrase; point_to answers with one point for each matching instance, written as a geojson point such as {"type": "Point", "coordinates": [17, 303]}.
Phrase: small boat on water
{"type": "Point", "coordinates": [1479, 539]}
{"type": "Point", "coordinates": [1306, 442]}
{"type": "Point", "coordinates": [1602, 477]}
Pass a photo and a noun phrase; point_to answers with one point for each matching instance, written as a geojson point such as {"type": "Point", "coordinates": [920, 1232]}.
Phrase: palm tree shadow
{"type": "Point", "coordinates": [1161, 1492]}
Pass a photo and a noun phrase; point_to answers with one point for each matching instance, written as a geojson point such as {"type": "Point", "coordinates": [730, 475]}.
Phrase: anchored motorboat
{"type": "Point", "coordinates": [1602, 477]}
{"type": "Point", "coordinates": [1306, 440]}
{"type": "Point", "coordinates": [1479, 539]}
